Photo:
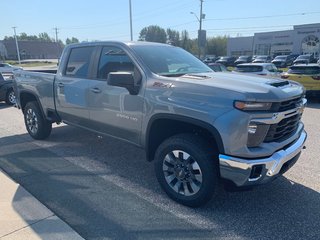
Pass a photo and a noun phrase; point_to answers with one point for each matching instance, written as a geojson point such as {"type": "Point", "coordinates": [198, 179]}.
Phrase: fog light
{"type": "Point", "coordinates": [252, 128]}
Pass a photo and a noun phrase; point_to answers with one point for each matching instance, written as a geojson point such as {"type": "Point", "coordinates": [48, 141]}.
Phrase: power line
{"type": "Point", "coordinates": [246, 18]}
{"type": "Point", "coordinates": [257, 17]}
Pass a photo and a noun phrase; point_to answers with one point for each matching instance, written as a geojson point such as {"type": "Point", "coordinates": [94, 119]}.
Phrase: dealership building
{"type": "Point", "coordinates": [303, 39]}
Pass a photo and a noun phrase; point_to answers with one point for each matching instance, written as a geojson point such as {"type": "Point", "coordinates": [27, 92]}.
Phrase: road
{"type": "Point", "coordinates": [105, 189]}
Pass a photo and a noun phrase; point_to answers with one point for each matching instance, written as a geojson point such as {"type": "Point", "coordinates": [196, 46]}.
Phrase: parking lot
{"type": "Point", "coordinates": [105, 189]}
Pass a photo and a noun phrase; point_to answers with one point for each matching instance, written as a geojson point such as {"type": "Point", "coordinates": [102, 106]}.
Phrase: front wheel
{"type": "Point", "coordinates": [37, 126]}
{"type": "Point", "coordinates": [186, 169]}
{"type": "Point", "coordinates": [10, 97]}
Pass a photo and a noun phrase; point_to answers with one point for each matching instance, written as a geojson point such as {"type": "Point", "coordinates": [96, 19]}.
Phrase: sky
{"type": "Point", "coordinates": [109, 19]}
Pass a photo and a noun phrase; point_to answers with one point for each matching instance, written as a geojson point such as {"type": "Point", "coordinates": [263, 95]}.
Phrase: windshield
{"type": "Point", "coordinates": [261, 57]}
{"type": "Point", "coordinates": [281, 58]}
{"type": "Point", "coordinates": [303, 57]}
{"type": "Point", "coordinates": [243, 57]}
{"type": "Point", "coordinates": [167, 60]}
{"type": "Point", "coordinates": [251, 68]}
{"type": "Point", "coordinates": [304, 70]}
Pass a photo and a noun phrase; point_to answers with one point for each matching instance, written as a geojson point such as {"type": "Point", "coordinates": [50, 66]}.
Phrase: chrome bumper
{"type": "Point", "coordinates": [244, 172]}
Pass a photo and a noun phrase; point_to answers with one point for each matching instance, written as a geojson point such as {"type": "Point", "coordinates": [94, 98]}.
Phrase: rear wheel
{"type": "Point", "coordinates": [10, 97]}
{"type": "Point", "coordinates": [37, 126]}
{"type": "Point", "coordinates": [186, 169]}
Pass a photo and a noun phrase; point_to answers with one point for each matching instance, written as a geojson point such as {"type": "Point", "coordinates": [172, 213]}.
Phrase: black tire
{"type": "Point", "coordinates": [10, 97]}
{"type": "Point", "coordinates": [37, 126]}
{"type": "Point", "coordinates": [187, 169]}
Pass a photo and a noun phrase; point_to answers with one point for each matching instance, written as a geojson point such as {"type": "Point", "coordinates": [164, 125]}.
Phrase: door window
{"type": "Point", "coordinates": [78, 63]}
{"type": "Point", "coordinates": [113, 59]}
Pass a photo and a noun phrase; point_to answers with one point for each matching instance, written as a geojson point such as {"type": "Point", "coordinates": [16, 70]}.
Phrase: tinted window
{"type": "Point", "coordinates": [248, 68]}
{"type": "Point", "coordinates": [304, 70]}
{"type": "Point", "coordinates": [281, 58]}
{"type": "Point", "coordinates": [113, 59]}
{"type": "Point", "coordinates": [168, 60]}
{"type": "Point", "coordinates": [78, 63]}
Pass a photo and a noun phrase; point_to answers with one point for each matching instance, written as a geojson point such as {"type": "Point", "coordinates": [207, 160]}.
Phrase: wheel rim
{"type": "Point", "coordinates": [12, 97]}
{"type": "Point", "coordinates": [182, 173]}
{"type": "Point", "coordinates": [32, 121]}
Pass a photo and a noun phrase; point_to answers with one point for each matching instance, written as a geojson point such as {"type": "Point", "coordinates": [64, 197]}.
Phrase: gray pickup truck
{"type": "Point", "coordinates": [201, 128]}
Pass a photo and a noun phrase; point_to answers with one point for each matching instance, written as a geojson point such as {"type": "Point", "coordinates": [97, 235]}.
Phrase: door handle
{"type": "Point", "coordinates": [61, 85]}
{"type": "Point", "coordinates": [95, 90]}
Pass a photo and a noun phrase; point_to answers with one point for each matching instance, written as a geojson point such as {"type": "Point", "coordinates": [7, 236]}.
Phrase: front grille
{"type": "Point", "coordinates": [290, 104]}
{"type": "Point", "coordinates": [283, 130]}
{"type": "Point", "coordinates": [286, 127]}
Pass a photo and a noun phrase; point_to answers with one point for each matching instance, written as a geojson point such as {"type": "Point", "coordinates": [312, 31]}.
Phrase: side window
{"type": "Point", "coordinates": [78, 63]}
{"type": "Point", "coordinates": [270, 68]}
{"type": "Point", "coordinates": [113, 59]}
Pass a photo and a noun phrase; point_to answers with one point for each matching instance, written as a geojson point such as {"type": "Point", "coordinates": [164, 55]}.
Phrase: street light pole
{"type": "Point", "coordinates": [17, 46]}
{"type": "Point", "coordinates": [200, 35]}
{"type": "Point", "coordinates": [201, 17]}
{"type": "Point", "coordinates": [130, 11]}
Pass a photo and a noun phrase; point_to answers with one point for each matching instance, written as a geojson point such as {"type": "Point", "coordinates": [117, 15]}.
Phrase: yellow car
{"type": "Point", "coordinates": [306, 74]}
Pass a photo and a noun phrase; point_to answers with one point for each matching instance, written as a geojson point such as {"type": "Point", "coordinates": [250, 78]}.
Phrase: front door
{"type": "Point", "coordinates": [112, 109]}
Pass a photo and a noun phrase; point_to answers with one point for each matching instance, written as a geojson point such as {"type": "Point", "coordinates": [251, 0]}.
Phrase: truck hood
{"type": "Point", "coordinates": [252, 87]}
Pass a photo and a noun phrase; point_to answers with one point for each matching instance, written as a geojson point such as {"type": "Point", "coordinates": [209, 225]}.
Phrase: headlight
{"type": "Point", "coordinates": [252, 106]}
{"type": "Point", "coordinates": [256, 133]}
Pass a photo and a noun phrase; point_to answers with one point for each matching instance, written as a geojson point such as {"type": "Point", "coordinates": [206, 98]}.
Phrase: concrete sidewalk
{"type": "Point", "coordinates": [24, 217]}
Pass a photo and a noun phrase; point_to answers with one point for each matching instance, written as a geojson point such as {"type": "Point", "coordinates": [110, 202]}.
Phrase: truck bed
{"type": "Point", "coordinates": [39, 83]}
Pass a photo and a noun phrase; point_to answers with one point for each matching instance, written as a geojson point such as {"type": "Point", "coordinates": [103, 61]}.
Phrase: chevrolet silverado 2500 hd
{"type": "Point", "coordinates": [198, 126]}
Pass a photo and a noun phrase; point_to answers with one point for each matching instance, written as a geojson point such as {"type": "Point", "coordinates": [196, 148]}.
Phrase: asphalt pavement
{"type": "Point", "coordinates": [105, 189]}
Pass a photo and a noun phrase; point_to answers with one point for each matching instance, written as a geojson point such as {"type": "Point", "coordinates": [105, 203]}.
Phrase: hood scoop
{"type": "Point", "coordinates": [278, 83]}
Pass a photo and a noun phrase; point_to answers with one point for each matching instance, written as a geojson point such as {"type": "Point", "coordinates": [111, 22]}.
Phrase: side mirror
{"type": "Point", "coordinates": [123, 79]}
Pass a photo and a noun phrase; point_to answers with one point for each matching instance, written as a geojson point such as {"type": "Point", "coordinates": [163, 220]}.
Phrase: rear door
{"type": "Point", "coordinates": [71, 86]}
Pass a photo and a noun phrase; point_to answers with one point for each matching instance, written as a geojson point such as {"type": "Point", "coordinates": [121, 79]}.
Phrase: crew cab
{"type": "Point", "coordinates": [200, 127]}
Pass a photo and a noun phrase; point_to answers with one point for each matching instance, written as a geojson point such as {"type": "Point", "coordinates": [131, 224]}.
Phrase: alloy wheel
{"type": "Point", "coordinates": [182, 173]}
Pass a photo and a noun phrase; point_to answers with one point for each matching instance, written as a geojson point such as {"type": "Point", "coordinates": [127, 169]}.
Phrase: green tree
{"type": "Point", "coordinates": [45, 37]}
{"type": "Point", "coordinates": [217, 46]}
{"type": "Point", "coordinates": [153, 34]}
{"type": "Point", "coordinates": [72, 40]}
{"type": "Point", "coordinates": [173, 37]}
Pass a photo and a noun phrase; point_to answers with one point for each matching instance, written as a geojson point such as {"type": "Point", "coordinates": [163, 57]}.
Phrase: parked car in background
{"type": "Point", "coordinates": [243, 59]}
{"type": "Point", "coordinates": [304, 59]}
{"type": "Point", "coordinates": [6, 90]}
{"type": "Point", "coordinates": [210, 59]}
{"type": "Point", "coordinates": [283, 61]}
{"type": "Point", "coordinates": [263, 69]}
{"type": "Point", "coordinates": [226, 61]}
{"type": "Point", "coordinates": [7, 68]}
{"type": "Point", "coordinates": [306, 74]}
{"type": "Point", "coordinates": [218, 67]}
{"type": "Point", "coordinates": [262, 59]}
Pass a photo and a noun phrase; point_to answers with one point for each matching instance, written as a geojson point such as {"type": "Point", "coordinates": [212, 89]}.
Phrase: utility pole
{"type": "Point", "coordinates": [130, 11]}
{"type": "Point", "coordinates": [201, 34]}
{"type": "Point", "coordinates": [56, 31]}
{"type": "Point", "coordinates": [17, 46]}
{"type": "Point", "coordinates": [201, 17]}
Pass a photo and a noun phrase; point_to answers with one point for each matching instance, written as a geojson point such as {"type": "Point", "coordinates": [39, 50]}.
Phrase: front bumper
{"type": "Point", "coordinates": [244, 172]}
